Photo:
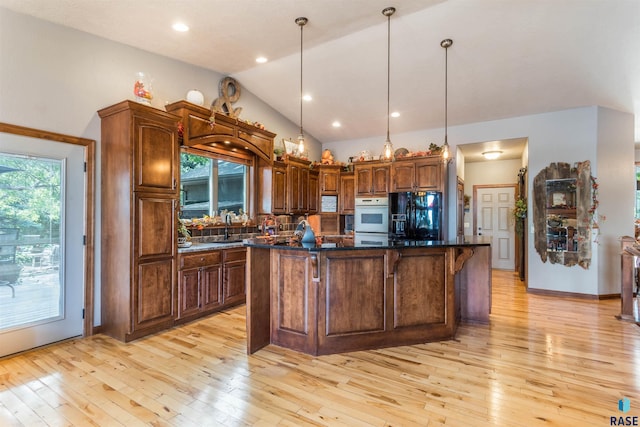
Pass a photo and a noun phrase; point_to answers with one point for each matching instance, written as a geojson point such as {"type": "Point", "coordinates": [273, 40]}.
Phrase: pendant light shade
{"type": "Point", "coordinates": [302, 21]}
{"type": "Point", "coordinates": [388, 146]}
{"type": "Point", "coordinates": [446, 44]}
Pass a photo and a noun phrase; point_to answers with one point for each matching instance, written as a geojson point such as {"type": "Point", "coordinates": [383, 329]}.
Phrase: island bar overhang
{"type": "Point", "coordinates": [332, 300]}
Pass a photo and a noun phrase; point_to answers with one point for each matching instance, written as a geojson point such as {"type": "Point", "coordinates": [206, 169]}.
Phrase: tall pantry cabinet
{"type": "Point", "coordinates": [140, 166]}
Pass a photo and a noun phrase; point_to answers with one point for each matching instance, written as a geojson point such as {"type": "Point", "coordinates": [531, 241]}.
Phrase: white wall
{"type": "Point", "coordinates": [54, 78]}
{"type": "Point", "coordinates": [615, 173]}
{"type": "Point", "coordinates": [575, 135]}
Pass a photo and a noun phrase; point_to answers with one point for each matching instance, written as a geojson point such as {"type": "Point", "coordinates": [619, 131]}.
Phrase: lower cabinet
{"type": "Point", "coordinates": [209, 281]}
{"type": "Point", "coordinates": [234, 285]}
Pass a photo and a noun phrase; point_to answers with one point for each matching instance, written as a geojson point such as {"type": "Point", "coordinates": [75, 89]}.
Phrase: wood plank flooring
{"type": "Point", "coordinates": [542, 361]}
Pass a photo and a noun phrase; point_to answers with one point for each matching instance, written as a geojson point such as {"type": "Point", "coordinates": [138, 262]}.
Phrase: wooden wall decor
{"type": "Point", "coordinates": [561, 217]}
{"type": "Point", "coordinates": [229, 92]}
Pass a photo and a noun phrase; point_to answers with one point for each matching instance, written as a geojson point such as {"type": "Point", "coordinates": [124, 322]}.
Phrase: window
{"type": "Point", "coordinates": [209, 186]}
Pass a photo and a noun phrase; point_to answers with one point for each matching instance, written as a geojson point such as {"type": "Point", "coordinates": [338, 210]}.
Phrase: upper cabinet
{"type": "Point", "coordinates": [329, 179]}
{"type": "Point", "coordinates": [314, 195]}
{"type": "Point", "coordinates": [298, 185]}
{"type": "Point", "coordinates": [423, 174]}
{"type": "Point", "coordinates": [371, 179]}
{"type": "Point", "coordinates": [347, 200]}
{"type": "Point", "coordinates": [219, 133]}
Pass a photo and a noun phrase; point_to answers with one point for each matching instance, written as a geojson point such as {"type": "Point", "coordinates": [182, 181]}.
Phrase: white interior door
{"type": "Point", "coordinates": [494, 219]}
{"type": "Point", "coordinates": [42, 228]}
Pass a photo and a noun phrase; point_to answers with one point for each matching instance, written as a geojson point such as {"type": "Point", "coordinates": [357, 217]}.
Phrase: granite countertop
{"type": "Point", "coordinates": [348, 243]}
{"type": "Point", "coordinates": [198, 247]}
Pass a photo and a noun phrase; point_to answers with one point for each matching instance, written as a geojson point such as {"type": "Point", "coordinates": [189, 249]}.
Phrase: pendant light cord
{"type": "Point", "coordinates": [388, 70]}
{"type": "Point", "coordinates": [446, 94]}
{"type": "Point", "coordinates": [301, 29]}
{"type": "Point", "coordinates": [446, 44]}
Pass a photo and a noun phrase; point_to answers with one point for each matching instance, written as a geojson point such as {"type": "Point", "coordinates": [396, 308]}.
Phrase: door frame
{"type": "Point", "coordinates": [89, 253]}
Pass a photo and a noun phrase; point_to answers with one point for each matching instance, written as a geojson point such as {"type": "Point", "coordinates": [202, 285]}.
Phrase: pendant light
{"type": "Point", "coordinates": [302, 21]}
{"type": "Point", "coordinates": [388, 146]}
{"type": "Point", "coordinates": [446, 44]}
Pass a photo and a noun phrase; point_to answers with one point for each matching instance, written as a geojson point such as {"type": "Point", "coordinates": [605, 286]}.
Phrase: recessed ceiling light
{"type": "Point", "coordinates": [395, 114]}
{"type": "Point", "coordinates": [261, 60]}
{"type": "Point", "coordinates": [227, 142]}
{"type": "Point", "coordinates": [307, 97]}
{"type": "Point", "coordinates": [336, 124]}
{"type": "Point", "coordinates": [180, 27]}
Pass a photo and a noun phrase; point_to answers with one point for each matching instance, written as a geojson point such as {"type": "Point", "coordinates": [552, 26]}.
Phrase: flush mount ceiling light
{"type": "Point", "coordinates": [261, 60]}
{"type": "Point", "coordinates": [302, 21]}
{"type": "Point", "coordinates": [446, 44]}
{"type": "Point", "coordinates": [388, 146]}
{"type": "Point", "coordinates": [492, 155]}
{"type": "Point", "coordinates": [336, 124]}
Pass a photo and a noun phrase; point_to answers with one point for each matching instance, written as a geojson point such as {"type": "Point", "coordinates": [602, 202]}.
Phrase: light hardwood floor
{"type": "Point", "coordinates": [542, 361]}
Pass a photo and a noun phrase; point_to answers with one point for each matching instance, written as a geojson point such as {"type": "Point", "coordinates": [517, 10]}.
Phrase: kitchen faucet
{"type": "Point", "coordinates": [227, 223]}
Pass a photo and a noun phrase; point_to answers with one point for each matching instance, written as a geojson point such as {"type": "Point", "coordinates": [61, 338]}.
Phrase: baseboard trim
{"type": "Point", "coordinates": [551, 293]}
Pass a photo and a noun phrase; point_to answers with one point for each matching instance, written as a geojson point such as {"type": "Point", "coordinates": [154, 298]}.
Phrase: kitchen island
{"type": "Point", "coordinates": [344, 296]}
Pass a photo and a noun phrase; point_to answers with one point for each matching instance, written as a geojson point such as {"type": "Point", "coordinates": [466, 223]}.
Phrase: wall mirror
{"type": "Point", "coordinates": [561, 214]}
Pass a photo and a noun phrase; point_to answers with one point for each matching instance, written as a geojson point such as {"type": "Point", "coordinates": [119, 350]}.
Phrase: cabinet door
{"type": "Point", "coordinates": [403, 175]}
{"type": "Point", "coordinates": [380, 180]}
{"type": "Point", "coordinates": [293, 188]}
{"type": "Point", "coordinates": [363, 179]}
{"type": "Point", "coordinates": [234, 282]}
{"type": "Point", "coordinates": [234, 276]}
{"type": "Point", "coordinates": [188, 292]}
{"type": "Point", "coordinates": [156, 155]}
{"type": "Point", "coordinates": [154, 229]}
{"type": "Point", "coordinates": [314, 195]}
{"type": "Point", "coordinates": [153, 294]}
{"type": "Point", "coordinates": [211, 287]}
{"type": "Point", "coordinates": [347, 194]}
{"type": "Point", "coordinates": [279, 195]}
{"type": "Point", "coordinates": [330, 181]}
{"type": "Point", "coordinates": [303, 198]}
{"type": "Point", "coordinates": [428, 175]}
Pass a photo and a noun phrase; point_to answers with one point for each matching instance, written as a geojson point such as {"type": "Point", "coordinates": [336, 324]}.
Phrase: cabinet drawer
{"type": "Point", "coordinates": [235, 255]}
{"type": "Point", "coordinates": [199, 260]}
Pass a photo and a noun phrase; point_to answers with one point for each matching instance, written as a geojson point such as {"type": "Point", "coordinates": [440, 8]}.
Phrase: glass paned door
{"type": "Point", "coordinates": [41, 227]}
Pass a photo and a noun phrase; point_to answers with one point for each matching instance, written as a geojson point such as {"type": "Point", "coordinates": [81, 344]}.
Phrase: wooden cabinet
{"type": "Point", "coordinates": [298, 185]}
{"type": "Point", "coordinates": [209, 281]}
{"type": "Point", "coordinates": [272, 188]}
{"type": "Point", "coordinates": [330, 179]}
{"type": "Point", "coordinates": [234, 283]}
{"type": "Point", "coordinates": [287, 187]}
{"type": "Point", "coordinates": [139, 199]}
{"type": "Point", "coordinates": [347, 201]}
{"type": "Point", "coordinates": [371, 179]}
{"type": "Point", "coordinates": [424, 174]}
{"type": "Point", "coordinates": [347, 300]}
{"type": "Point", "coordinates": [279, 191]}
{"type": "Point", "coordinates": [199, 284]}
{"type": "Point", "coordinates": [314, 195]}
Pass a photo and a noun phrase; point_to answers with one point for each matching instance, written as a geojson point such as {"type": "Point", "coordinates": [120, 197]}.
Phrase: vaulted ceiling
{"type": "Point", "coordinates": [509, 57]}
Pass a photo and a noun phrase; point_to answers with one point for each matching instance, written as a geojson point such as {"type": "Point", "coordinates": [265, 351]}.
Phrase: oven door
{"type": "Point", "coordinates": [371, 219]}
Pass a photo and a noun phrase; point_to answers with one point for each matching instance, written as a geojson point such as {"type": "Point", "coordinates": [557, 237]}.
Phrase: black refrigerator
{"type": "Point", "coordinates": [415, 215]}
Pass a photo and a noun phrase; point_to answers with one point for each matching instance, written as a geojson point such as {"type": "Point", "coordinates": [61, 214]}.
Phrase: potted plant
{"type": "Point", "coordinates": [183, 233]}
